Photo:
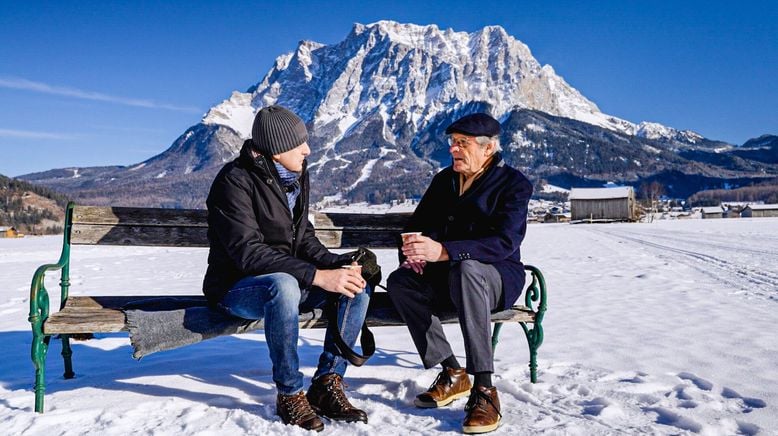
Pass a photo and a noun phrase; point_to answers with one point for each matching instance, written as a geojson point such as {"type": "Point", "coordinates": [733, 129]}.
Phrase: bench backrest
{"type": "Point", "coordinates": [99, 225]}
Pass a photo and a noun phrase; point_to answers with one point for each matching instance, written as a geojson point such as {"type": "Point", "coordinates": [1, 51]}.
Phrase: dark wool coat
{"type": "Point", "coordinates": [251, 230]}
{"type": "Point", "coordinates": [487, 223]}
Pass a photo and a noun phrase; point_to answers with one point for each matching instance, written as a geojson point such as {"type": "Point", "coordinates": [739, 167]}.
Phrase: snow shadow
{"type": "Point", "coordinates": [229, 368]}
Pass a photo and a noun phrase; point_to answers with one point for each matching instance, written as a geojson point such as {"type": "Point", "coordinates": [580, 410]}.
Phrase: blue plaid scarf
{"type": "Point", "coordinates": [290, 181]}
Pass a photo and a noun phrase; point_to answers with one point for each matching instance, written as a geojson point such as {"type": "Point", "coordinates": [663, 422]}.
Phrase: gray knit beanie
{"type": "Point", "coordinates": [276, 130]}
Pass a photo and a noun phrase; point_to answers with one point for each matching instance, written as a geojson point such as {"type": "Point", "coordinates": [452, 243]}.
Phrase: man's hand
{"type": "Point", "coordinates": [418, 248]}
{"type": "Point", "coordinates": [348, 282]}
{"type": "Point", "coordinates": [416, 266]}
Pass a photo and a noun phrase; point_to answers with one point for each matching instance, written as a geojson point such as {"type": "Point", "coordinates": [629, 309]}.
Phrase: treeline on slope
{"type": "Point", "coordinates": [27, 218]}
{"type": "Point", "coordinates": [766, 192]}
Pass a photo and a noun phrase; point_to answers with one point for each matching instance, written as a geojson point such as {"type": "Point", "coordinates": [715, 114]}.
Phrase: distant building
{"type": "Point", "coordinates": [760, 211]}
{"type": "Point", "coordinates": [603, 204]}
{"type": "Point", "coordinates": [558, 217]}
{"type": "Point", "coordinates": [712, 212]}
{"type": "Point", "coordinates": [8, 232]}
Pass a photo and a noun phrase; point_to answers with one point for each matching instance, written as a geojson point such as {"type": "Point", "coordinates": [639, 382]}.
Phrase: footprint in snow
{"type": "Point", "coordinates": [635, 379]}
{"type": "Point", "coordinates": [594, 406]}
{"type": "Point", "coordinates": [681, 393]}
{"type": "Point", "coordinates": [701, 383]}
{"type": "Point", "coordinates": [668, 417]}
{"type": "Point", "coordinates": [750, 403]}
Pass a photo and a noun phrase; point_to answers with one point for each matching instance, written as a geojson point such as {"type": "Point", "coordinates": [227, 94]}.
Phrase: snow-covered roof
{"type": "Point", "coordinates": [712, 209]}
{"type": "Point", "coordinates": [762, 206]}
{"type": "Point", "coordinates": [600, 193]}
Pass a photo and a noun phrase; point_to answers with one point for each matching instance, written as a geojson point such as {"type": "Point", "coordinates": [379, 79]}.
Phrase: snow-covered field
{"type": "Point", "coordinates": [662, 328]}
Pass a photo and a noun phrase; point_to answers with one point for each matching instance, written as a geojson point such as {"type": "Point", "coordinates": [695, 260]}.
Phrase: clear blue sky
{"type": "Point", "coordinates": [86, 83]}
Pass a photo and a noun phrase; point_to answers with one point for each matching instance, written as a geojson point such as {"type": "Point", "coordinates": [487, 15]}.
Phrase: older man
{"type": "Point", "coordinates": [472, 220]}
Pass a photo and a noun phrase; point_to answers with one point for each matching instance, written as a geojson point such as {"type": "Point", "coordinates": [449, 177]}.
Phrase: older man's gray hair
{"type": "Point", "coordinates": [483, 140]}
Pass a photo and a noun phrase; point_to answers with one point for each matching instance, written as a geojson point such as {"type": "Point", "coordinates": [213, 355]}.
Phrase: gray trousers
{"type": "Point", "coordinates": [472, 288]}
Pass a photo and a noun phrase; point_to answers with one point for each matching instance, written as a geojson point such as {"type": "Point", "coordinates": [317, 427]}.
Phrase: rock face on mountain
{"type": "Point", "coordinates": [376, 105]}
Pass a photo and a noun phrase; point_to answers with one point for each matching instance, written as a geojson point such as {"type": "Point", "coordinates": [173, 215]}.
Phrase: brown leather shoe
{"type": "Point", "coordinates": [295, 410]}
{"type": "Point", "coordinates": [450, 385]}
{"type": "Point", "coordinates": [483, 411]}
{"type": "Point", "coordinates": [328, 399]}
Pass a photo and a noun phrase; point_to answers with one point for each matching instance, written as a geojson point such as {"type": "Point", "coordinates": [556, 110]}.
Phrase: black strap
{"type": "Point", "coordinates": [366, 340]}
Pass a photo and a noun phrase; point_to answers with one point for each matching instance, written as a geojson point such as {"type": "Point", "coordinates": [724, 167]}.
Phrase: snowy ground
{"type": "Point", "coordinates": [662, 328]}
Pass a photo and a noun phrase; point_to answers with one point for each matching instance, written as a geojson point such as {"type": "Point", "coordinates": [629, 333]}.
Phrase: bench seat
{"type": "Point", "coordinates": [96, 314]}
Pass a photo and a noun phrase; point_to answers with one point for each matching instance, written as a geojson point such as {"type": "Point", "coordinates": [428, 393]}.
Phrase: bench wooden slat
{"type": "Point", "coordinates": [94, 225]}
{"type": "Point", "coordinates": [339, 220]}
{"type": "Point", "coordinates": [92, 234]}
{"type": "Point", "coordinates": [119, 301]}
{"type": "Point", "coordinates": [83, 320]}
{"type": "Point", "coordinates": [145, 216]}
{"type": "Point", "coordinates": [358, 238]}
{"type": "Point", "coordinates": [101, 314]}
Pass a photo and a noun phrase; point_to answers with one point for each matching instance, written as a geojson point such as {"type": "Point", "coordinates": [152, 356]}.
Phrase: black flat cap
{"type": "Point", "coordinates": [475, 125]}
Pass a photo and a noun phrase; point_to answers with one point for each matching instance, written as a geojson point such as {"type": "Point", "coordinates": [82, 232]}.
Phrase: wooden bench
{"type": "Point", "coordinates": [89, 225]}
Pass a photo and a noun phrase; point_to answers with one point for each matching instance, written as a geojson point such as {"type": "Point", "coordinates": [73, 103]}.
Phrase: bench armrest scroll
{"type": "Point", "coordinates": [39, 296]}
{"type": "Point", "coordinates": [536, 292]}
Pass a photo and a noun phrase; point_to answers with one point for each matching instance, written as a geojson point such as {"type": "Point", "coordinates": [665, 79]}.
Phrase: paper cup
{"type": "Point", "coordinates": [406, 235]}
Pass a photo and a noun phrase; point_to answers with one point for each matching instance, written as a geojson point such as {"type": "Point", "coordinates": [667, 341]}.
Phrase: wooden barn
{"type": "Point", "coordinates": [8, 232]}
{"type": "Point", "coordinates": [759, 211]}
{"type": "Point", "coordinates": [712, 212]}
{"type": "Point", "coordinates": [603, 204]}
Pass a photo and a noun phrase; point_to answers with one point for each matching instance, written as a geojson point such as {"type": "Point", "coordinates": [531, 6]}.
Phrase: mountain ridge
{"type": "Point", "coordinates": [376, 105]}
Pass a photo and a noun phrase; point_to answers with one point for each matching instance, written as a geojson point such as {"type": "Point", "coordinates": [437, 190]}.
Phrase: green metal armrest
{"type": "Point", "coordinates": [39, 312]}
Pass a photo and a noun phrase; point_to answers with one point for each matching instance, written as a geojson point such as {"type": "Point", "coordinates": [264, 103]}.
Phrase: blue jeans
{"type": "Point", "coordinates": [278, 299]}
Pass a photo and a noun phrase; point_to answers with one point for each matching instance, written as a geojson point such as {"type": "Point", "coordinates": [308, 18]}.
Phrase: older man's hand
{"type": "Point", "coordinates": [416, 266]}
{"type": "Point", "coordinates": [419, 248]}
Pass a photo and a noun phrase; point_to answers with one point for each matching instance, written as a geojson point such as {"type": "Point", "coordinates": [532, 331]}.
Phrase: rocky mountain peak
{"type": "Point", "coordinates": [377, 103]}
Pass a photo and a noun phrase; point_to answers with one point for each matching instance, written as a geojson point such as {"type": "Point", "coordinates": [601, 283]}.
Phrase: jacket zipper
{"type": "Point", "coordinates": [286, 206]}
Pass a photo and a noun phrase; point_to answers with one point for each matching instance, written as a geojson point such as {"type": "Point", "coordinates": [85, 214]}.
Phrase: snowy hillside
{"type": "Point", "coordinates": [662, 328]}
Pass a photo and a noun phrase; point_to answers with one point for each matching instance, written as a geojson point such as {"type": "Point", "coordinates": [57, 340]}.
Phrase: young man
{"type": "Point", "coordinates": [266, 263]}
{"type": "Point", "coordinates": [473, 218]}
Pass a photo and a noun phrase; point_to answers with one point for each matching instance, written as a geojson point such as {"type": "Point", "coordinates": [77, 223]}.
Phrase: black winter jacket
{"type": "Point", "coordinates": [251, 230]}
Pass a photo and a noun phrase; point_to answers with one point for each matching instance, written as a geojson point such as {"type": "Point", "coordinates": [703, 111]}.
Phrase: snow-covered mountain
{"type": "Point", "coordinates": [376, 105]}
{"type": "Point", "coordinates": [391, 68]}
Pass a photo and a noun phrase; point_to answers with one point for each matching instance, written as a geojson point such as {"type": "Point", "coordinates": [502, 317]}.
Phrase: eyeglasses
{"type": "Point", "coordinates": [462, 141]}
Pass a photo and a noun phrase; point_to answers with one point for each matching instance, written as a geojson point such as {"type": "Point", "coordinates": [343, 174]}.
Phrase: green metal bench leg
{"type": "Point", "coordinates": [496, 335]}
{"type": "Point", "coordinates": [67, 354]}
{"type": "Point", "coordinates": [536, 292]}
{"type": "Point", "coordinates": [534, 339]}
{"type": "Point", "coordinates": [40, 346]}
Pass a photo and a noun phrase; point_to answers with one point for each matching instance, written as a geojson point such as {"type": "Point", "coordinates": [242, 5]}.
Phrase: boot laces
{"type": "Point", "coordinates": [335, 388]}
{"type": "Point", "coordinates": [479, 400]}
{"type": "Point", "coordinates": [443, 377]}
{"type": "Point", "coordinates": [300, 408]}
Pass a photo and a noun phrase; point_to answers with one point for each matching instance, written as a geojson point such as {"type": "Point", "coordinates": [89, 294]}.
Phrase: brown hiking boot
{"type": "Point", "coordinates": [327, 398]}
{"type": "Point", "coordinates": [483, 411]}
{"type": "Point", "coordinates": [451, 384]}
{"type": "Point", "coordinates": [295, 410]}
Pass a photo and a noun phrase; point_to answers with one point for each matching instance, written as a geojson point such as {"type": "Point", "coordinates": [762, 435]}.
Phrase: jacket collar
{"type": "Point", "coordinates": [263, 163]}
